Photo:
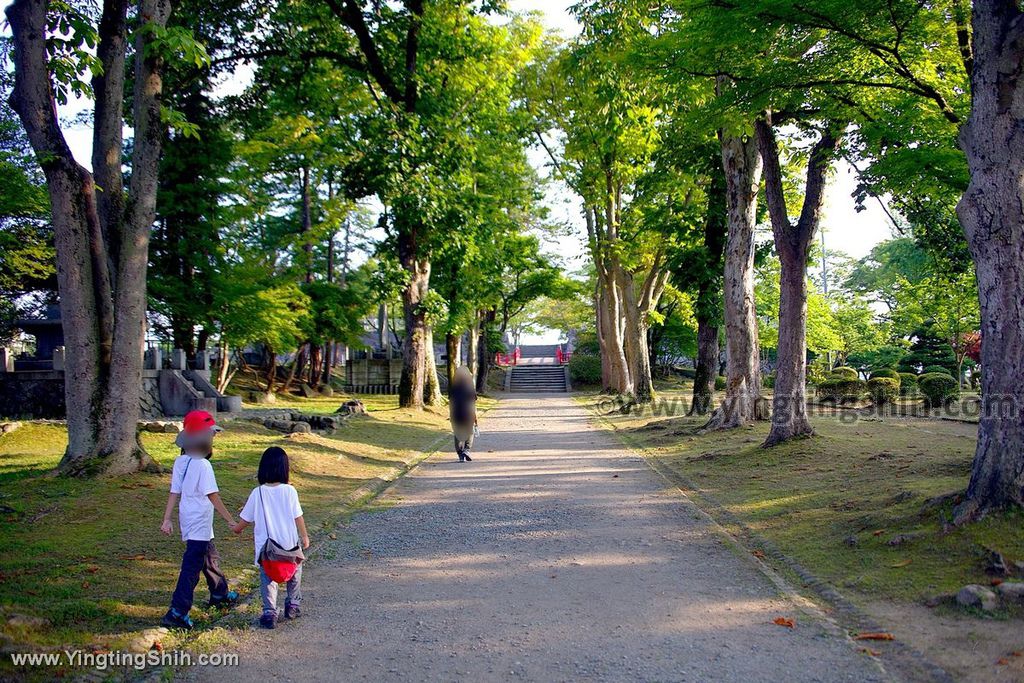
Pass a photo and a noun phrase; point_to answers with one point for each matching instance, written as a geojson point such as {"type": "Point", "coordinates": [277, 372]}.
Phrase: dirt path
{"type": "Point", "coordinates": [553, 556]}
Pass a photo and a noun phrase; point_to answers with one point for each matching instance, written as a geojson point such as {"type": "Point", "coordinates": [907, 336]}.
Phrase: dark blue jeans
{"type": "Point", "coordinates": [199, 557]}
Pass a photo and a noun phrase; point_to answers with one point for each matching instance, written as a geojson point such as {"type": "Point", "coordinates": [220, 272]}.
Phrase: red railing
{"type": "Point", "coordinates": [504, 359]}
{"type": "Point", "coordinates": [562, 356]}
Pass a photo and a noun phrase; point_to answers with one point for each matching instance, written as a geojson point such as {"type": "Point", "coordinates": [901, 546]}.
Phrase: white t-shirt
{"type": "Point", "coordinates": [281, 502]}
{"type": "Point", "coordinates": [192, 478]}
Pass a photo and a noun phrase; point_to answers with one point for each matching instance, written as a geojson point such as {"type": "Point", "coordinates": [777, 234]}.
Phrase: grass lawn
{"type": "Point", "coordinates": [858, 504]}
{"type": "Point", "coordinates": [83, 561]}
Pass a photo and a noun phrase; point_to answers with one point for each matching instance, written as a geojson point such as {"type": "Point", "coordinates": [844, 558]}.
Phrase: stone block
{"type": "Point", "coordinates": [974, 595]}
{"type": "Point", "coordinates": [6, 359]}
{"type": "Point", "coordinates": [178, 360]}
{"type": "Point", "coordinates": [58, 359]}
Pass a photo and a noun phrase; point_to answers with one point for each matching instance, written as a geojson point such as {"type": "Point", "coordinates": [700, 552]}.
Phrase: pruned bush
{"type": "Point", "coordinates": [883, 390]}
{"type": "Point", "coordinates": [933, 369]}
{"type": "Point", "coordinates": [843, 372]}
{"type": "Point", "coordinates": [939, 388]}
{"type": "Point", "coordinates": [886, 372]}
{"type": "Point", "coordinates": [841, 390]}
{"type": "Point", "coordinates": [585, 368]}
{"type": "Point", "coordinates": [908, 384]}
{"type": "Point", "coordinates": [720, 383]}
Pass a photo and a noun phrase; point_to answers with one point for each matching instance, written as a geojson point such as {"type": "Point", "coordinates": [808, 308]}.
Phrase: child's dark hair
{"type": "Point", "coordinates": [273, 466]}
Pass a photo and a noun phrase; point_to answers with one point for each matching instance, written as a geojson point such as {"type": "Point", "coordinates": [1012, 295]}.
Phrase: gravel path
{"type": "Point", "coordinates": [553, 556]}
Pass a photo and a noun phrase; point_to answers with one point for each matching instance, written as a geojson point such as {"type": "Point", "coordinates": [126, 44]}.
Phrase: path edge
{"type": "Point", "coordinates": [907, 661]}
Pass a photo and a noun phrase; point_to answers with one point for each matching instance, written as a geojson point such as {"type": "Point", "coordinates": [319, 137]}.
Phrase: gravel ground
{"type": "Point", "coordinates": [553, 556]}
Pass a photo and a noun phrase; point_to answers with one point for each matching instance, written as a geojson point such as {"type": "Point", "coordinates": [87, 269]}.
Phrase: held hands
{"type": "Point", "coordinates": [167, 527]}
{"type": "Point", "coordinates": [239, 527]}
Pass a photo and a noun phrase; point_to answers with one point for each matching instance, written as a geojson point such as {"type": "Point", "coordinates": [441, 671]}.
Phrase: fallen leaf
{"type": "Point", "coordinates": [784, 621]}
{"type": "Point", "coordinates": [995, 582]}
{"type": "Point", "coordinates": [1002, 661]}
{"type": "Point", "coordinates": [1017, 653]}
{"type": "Point", "coordinates": [158, 646]}
{"type": "Point", "coordinates": [133, 557]}
{"type": "Point", "coordinates": [85, 584]}
{"type": "Point", "coordinates": [879, 532]}
{"type": "Point", "coordinates": [92, 569]}
{"type": "Point", "coordinates": [874, 636]}
{"type": "Point", "coordinates": [901, 563]}
{"type": "Point", "coordinates": [758, 554]}
{"type": "Point", "coordinates": [333, 537]}
{"type": "Point", "coordinates": [870, 652]}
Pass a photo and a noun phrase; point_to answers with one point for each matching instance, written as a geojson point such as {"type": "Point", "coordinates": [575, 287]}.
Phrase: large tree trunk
{"type": "Point", "coordinates": [484, 353]}
{"type": "Point", "coordinates": [993, 220]}
{"type": "Point", "coordinates": [414, 346]}
{"type": "Point", "coordinates": [743, 401]}
{"type": "Point", "coordinates": [472, 345]}
{"type": "Point", "coordinates": [706, 366]}
{"type": "Point", "coordinates": [793, 243]}
{"type": "Point", "coordinates": [452, 345]}
{"type": "Point", "coordinates": [708, 308]}
{"type": "Point", "coordinates": [432, 386]}
{"type": "Point", "coordinates": [101, 239]}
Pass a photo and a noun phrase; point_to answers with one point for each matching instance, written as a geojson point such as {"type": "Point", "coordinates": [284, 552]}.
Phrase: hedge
{"type": "Point", "coordinates": [939, 388]}
{"type": "Point", "coordinates": [886, 372]}
{"type": "Point", "coordinates": [841, 390]}
{"type": "Point", "coordinates": [843, 372]}
{"type": "Point", "coordinates": [720, 383]}
{"type": "Point", "coordinates": [883, 390]}
{"type": "Point", "coordinates": [937, 369]}
{"type": "Point", "coordinates": [585, 368]}
{"type": "Point", "coordinates": [908, 383]}
{"type": "Point", "coordinates": [687, 373]}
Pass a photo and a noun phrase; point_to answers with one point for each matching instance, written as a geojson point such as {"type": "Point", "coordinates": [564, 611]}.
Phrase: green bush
{"type": "Point", "coordinates": [939, 388]}
{"type": "Point", "coordinates": [585, 368]}
{"type": "Point", "coordinates": [883, 390]}
{"type": "Point", "coordinates": [908, 383]}
{"type": "Point", "coordinates": [688, 373]}
{"type": "Point", "coordinates": [932, 369]}
{"type": "Point", "coordinates": [886, 372]}
{"type": "Point", "coordinates": [768, 380]}
{"type": "Point", "coordinates": [720, 383]}
{"type": "Point", "coordinates": [841, 390]}
{"type": "Point", "coordinates": [843, 372]}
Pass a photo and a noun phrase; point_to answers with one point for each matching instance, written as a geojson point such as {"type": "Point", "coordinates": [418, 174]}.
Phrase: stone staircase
{"type": "Point", "coordinates": [538, 378]}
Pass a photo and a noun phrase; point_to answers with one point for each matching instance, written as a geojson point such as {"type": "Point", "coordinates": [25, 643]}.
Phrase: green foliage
{"type": "Point", "coordinates": [938, 388]}
{"type": "Point", "coordinates": [928, 349]}
{"type": "Point", "coordinates": [720, 383]}
{"type": "Point", "coordinates": [842, 372]}
{"type": "Point", "coordinates": [932, 369]}
{"type": "Point", "coordinates": [768, 380]}
{"type": "Point", "coordinates": [585, 369]}
{"type": "Point", "coordinates": [885, 372]}
{"type": "Point", "coordinates": [841, 390]}
{"type": "Point", "coordinates": [883, 390]}
{"type": "Point", "coordinates": [908, 383]}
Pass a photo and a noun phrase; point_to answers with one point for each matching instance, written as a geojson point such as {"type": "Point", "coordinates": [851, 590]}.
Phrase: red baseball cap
{"type": "Point", "coordinates": [197, 426]}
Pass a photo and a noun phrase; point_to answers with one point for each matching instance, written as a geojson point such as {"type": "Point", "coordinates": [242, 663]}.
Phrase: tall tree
{"type": "Point", "coordinates": [101, 228]}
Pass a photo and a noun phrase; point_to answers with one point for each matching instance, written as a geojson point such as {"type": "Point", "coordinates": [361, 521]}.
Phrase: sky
{"type": "Point", "coordinates": [845, 230]}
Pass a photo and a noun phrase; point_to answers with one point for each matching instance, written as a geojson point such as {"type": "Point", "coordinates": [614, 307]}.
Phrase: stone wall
{"type": "Point", "coordinates": [149, 396]}
{"type": "Point", "coordinates": [32, 395]}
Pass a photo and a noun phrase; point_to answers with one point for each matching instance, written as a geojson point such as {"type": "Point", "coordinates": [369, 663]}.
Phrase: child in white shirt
{"type": "Point", "coordinates": [274, 511]}
{"type": "Point", "coordinates": [195, 486]}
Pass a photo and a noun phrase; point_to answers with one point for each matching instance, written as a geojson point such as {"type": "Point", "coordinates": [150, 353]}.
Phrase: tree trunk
{"type": "Point", "coordinates": [707, 366]}
{"type": "Point", "coordinates": [225, 367]}
{"type": "Point", "coordinates": [413, 382]}
{"type": "Point", "coordinates": [307, 224]}
{"type": "Point", "coordinates": [451, 344]}
{"type": "Point", "coordinates": [993, 221]}
{"type": "Point", "coordinates": [743, 402]}
{"type": "Point", "coordinates": [484, 354]}
{"type": "Point", "coordinates": [102, 243]}
{"type": "Point", "coordinates": [432, 385]}
{"type": "Point", "coordinates": [793, 243]}
{"type": "Point", "coordinates": [472, 345]}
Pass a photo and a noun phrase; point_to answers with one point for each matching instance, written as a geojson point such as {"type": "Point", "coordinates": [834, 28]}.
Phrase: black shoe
{"type": "Point", "coordinates": [174, 620]}
{"type": "Point", "coordinates": [268, 620]}
{"type": "Point", "coordinates": [229, 599]}
{"type": "Point", "coordinates": [462, 458]}
{"type": "Point", "coordinates": [468, 459]}
{"type": "Point", "coordinates": [292, 612]}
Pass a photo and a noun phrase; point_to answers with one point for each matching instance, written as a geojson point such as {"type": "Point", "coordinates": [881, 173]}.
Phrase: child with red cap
{"type": "Point", "coordinates": [193, 482]}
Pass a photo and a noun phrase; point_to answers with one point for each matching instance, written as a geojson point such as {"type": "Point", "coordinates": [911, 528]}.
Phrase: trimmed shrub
{"type": "Point", "coordinates": [688, 373]}
{"type": "Point", "coordinates": [720, 383]}
{"type": "Point", "coordinates": [585, 369]}
{"type": "Point", "coordinates": [885, 372]}
{"type": "Point", "coordinates": [841, 390]}
{"type": "Point", "coordinates": [768, 380]}
{"type": "Point", "coordinates": [939, 388]}
{"type": "Point", "coordinates": [908, 383]}
{"type": "Point", "coordinates": [883, 390]}
{"type": "Point", "coordinates": [843, 372]}
{"type": "Point", "coordinates": [933, 369]}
